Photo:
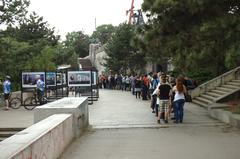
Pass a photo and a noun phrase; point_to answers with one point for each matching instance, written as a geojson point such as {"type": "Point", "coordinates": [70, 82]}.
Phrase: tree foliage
{"type": "Point", "coordinates": [122, 56]}
{"type": "Point", "coordinates": [78, 42]}
{"type": "Point", "coordinates": [103, 33]}
{"type": "Point", "coordinates": [195, 34]}
{"type": "Point", "coordinates": [13, 10]}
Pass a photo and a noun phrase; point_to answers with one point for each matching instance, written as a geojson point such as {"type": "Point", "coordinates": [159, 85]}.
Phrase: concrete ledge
{"type": "Point", "coordinates": [46, 139]}
{"type": "Point", "coordinates": [78, 107]}
{"type": "Point", "coordinates": [217, 106]}
{"type": "Point", "coordinates": [226, 117]}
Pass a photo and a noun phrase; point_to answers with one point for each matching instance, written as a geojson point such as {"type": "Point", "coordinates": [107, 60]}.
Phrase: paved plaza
{"type": "Point", "coordinates": [123, 127]}
{"type": "Point", "coordinates": [15, 118]}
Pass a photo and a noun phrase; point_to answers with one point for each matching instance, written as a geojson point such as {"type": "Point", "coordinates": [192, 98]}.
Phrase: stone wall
{"type": "Point", "coordinates": [78, 107]}
{"type": "Point", "coordinates": [46, 139]}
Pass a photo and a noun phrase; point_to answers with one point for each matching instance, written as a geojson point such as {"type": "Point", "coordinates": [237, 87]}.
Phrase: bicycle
{"type": "Point", "coordinates": [31, 102]}
{"type": "Point", "coordinates": [14, 102]}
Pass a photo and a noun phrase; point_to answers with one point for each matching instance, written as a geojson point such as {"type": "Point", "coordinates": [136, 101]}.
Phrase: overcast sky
{"type": "Point", "coordinates": [79, 15]}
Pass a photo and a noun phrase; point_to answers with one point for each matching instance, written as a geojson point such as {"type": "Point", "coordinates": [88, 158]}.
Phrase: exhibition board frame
{"type": "Point", "coordinates": [28, 82]}
{"type": "Point", "coordinates": [82, 83]}
{"type": "Point", "coordinates": [60, 86]}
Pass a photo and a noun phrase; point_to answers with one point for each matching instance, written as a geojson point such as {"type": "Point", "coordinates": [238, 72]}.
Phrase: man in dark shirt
{"type": "Point", "coordinates": [164, 94]}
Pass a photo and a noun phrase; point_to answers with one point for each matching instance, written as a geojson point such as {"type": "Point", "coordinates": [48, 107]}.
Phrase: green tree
{"type": "Point", "coordinates": [66, 56]}
{"type": "Point", "coordinates": [122, 56]}
{"type": "Point", "coordinates": [77, 42]}
{"type": "Point", "coordinates": [43, 61]}
{"type": "Point", "coordinates": [35, 30]}
{"type": "Point", "coordinates": [195, 34]}
{"type": "Point", "coordinates": [14, 55]}
{"type": "Point", "coordinates": [12, 10]}
{"type": "Point", "coordinates": [103, 33]}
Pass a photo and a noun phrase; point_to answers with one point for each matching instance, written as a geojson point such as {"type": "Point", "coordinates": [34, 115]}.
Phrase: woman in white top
{"type": "Point", "coordinates": [179, 99]}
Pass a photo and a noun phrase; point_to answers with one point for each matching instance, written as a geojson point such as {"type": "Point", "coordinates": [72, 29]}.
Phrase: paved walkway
{"type": "Point", "coordinates": [124, 128]}
{"type": "Point", "coordinates": [16, 118]}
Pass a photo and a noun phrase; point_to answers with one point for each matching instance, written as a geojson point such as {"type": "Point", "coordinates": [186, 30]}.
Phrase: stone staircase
{"type": "Point", "coordinates": [217, 89]}
{"type": "Point", "coordinates": [7, 132]}
{"type": "Point", "coordinates": [216, 94]}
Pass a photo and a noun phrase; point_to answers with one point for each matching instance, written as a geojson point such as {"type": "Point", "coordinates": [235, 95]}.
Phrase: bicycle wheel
{"type": "Point", "coordinates": [15, 103]}
{"type": "Point", "coordinates": [30, 103]}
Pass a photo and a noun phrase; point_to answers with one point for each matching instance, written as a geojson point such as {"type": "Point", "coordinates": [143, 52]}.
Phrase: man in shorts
{"type": "Point", "coordinates": [164, 94]}
{"type": "Point", "coordinates": [7, 91]}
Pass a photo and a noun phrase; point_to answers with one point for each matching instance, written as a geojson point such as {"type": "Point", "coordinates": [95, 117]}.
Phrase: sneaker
{"type": "Point", "coordinates": [6, 109]}
{"type": "Point", "coordinates": [158, 121]}
{"type": "Point", "coordinates": [153, 111]}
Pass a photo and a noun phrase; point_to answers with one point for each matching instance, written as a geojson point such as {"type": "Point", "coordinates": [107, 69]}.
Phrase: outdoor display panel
{"type": "Point", "coordinates": [51, 79]}
{"type": "Point", "coordinates": [29, 79]}
{"type": "Point", "coordinates": [64, 79]}
{"type": "Point", "coordinates": [94, 78]}
{"type": "Point", "coordinates": [79, 78]}
{"type": "Point", "coordinates": [59, 78]}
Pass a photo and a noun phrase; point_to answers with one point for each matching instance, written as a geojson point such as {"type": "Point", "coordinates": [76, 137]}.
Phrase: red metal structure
{"type": "Point", "coordinates": [131, 13]}
{"type": "Point", "coordinates": [135, 16]}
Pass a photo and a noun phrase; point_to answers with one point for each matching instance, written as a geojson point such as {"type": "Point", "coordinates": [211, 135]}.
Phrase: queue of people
{"type": "Point", "coordinates": [167, 94]}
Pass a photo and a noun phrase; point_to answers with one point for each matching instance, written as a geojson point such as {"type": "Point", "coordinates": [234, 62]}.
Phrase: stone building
{"type": "Point", "coordinates": [97, 60]}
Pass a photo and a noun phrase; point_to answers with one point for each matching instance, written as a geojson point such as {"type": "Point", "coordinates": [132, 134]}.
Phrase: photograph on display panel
{"type": "Point", "coordinates": [79, 78]}
{"type": "Point", "coordinates": [94, 78]}
{"type": "Point", "coordinates": [59, 78]}
{"type": "Point", "coordinates": [51, 79]}
{"type": "Point", "coordinates": [64, 79]}
{"type": "Point", "coordinates": [29, 79]}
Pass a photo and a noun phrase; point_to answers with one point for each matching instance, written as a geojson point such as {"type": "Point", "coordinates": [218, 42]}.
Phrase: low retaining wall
{"type": "Point", "coordinates": [226, 117]}
{"type": "Point", "coordinates": [78, 107]}
{"type": "Point", "coordinates": [46, 139]}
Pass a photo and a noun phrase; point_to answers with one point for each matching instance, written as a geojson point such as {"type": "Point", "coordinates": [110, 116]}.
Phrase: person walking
{"type": "Point", "coordinates": [164, 94]}
{"type": "Point", "coordinates": [179, 99]}
{"type": "Point", "coordinates": [40, 89]}
{"type": "Point", "coordinates": [7, 91]}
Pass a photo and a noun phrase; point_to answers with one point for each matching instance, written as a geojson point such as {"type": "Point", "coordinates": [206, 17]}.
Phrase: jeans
{"type": "Point", "coordinates": [178, 110]}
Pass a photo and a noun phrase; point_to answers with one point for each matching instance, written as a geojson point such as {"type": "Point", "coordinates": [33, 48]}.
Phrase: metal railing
{"type": "Point", "coordinates": [216, 82]}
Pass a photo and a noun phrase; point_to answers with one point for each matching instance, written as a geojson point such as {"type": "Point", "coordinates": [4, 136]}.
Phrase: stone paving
{"type": "Point", "coordinates": [123, 127]}
{"type": "Point", "coordinates": [15, 118]}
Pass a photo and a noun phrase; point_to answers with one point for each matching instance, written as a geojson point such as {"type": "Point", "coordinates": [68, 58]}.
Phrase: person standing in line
{"type": "Point", "coordinates": [179, 99]}
{"type": "Point", "coordinates": [7, 91]}
{"type": "Point", "coordinates": [138, 87]}
{"type": "Point", "coordinates": [133, 80]}
{"type": "Point", "coordinates": [164, 94]}
{"type": "Point", "coordinates": [154, 84]}
{"type": "Point", "coordinates": [145, 87]}
{"type": "Point", "coordinates": [40, 89]}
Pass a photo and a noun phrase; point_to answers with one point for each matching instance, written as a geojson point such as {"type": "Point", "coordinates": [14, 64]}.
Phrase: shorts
{"type": "Point", "coordinates": [163, 106]}
{"type": "Point", "coordinates": [6, 96]}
